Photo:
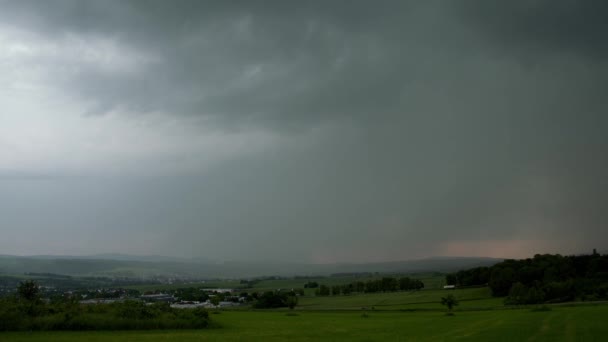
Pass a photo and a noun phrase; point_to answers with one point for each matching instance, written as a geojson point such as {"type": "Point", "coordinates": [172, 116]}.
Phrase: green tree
{"type": "Point", "coordinates": [273, 299]}
{"type": "Point", "coordinates": [450, 279]}
{"type": "Point", "coordinates": [336, 289]}
{"type": "Point", "coordinates": [292, 301]}
{"type": "Point", "coordinates": [29, 291]}
{"type": "Point", "coordinates": [517, 295]}
{"type": "Point", "coordinates": [501, 280]}
{"type": "Point", "coordinates": [323, 290]}
{"type": "Point", "coordinates": [450, 301]}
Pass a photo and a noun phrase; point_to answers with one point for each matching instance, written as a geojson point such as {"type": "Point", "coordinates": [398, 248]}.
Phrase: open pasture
{"type": "Point", "coordinates": [474, 298]}
{"type": "Point", "coordinates": [582, 323]}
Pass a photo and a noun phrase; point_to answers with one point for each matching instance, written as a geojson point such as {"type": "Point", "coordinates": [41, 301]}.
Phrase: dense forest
{"type": "Point", "coordinates": [542, 279]}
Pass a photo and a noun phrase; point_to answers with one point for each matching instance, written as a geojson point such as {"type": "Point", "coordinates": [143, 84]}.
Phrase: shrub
{"type": "Point", "coordinates": [130, 315]}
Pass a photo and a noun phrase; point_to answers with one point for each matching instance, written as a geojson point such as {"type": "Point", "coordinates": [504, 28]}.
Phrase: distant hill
{"type": "Point", "coordinates": [120, 265]}
{"type": "Point", "coordinates": [125, 257]}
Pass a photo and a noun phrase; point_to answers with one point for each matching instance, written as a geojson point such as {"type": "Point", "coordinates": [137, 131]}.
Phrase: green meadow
{"type": "Point", "coordinates": [470, 299]}
{"type": "Point", "coordinates": [581, 323]}
{"type": "Point", "coordinates": [411, 316]}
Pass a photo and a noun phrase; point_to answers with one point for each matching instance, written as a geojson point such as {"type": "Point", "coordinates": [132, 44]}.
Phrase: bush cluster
{"type": "Point", "coordinates": [276, 299]}
{"type": "Point", "coordinates": [27, 311]}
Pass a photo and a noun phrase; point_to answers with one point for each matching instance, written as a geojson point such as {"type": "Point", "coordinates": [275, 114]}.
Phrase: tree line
{"type": "Point", "coordinates": [276, 299]}
{"type": "Point", "coordinates": [544, 278]}
{"type": "Point", "coordinates": [385, 284]}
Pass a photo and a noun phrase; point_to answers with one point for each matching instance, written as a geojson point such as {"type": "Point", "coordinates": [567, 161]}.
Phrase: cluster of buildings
{"type": "Point", "coordinates": [206, 304]}
{"type": "Point", "coordinates": [168, 298]}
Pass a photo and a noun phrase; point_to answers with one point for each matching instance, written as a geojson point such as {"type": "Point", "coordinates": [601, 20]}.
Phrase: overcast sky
{"type": "Point", "coordinates": [313, 131]}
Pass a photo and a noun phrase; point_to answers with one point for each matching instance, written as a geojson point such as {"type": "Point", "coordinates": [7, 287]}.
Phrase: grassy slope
{"type": "Point", "coordinates": [339, 318]}
{"type": "Point", "coordinates": [560, 324]}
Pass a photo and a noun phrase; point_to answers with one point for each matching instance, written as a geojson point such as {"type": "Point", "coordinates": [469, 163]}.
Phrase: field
{"type": "Point", "coordinates": [415, 316]}
{"type": "Point", "coordinates": [470, 299]}
{"type": "Point", "coordinates": [559, 324]}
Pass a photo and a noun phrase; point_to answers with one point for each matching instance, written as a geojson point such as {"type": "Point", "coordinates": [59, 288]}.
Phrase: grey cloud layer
{"type": "Point", "coordinates": [272, 60]}
{"type": "Point", "coordinates": [461, 121]}
{"type": "Point", "coordinates": [291, 62]}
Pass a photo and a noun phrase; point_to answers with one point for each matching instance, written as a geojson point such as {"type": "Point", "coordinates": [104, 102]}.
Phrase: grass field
{"type": "Point", "coordinates": [470, 299]}
{"type": "Point", "coordinates": [396, 316]}
{"type": "Point", "coordinates": [581, 323]}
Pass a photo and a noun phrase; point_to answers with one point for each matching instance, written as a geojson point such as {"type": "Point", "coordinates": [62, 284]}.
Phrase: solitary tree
{"type": "Point", "coordinates": [450, 301]}
{"type": "Point", "coordinates": [292, 301]}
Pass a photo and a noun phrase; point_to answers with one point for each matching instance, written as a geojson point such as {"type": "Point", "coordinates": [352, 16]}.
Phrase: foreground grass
{"type": "Point", "coordinates": [560, 324]}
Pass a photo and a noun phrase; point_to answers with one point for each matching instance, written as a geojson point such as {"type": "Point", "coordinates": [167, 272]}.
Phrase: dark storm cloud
{"type": "Point", "coordinates": [250, 62]}
{"type": "Point", "coordinates": [544, 27]}
{"type": "Point", "coordinates": [420, 123]}
{"type": "Point", "coordinates": [241, 61]}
